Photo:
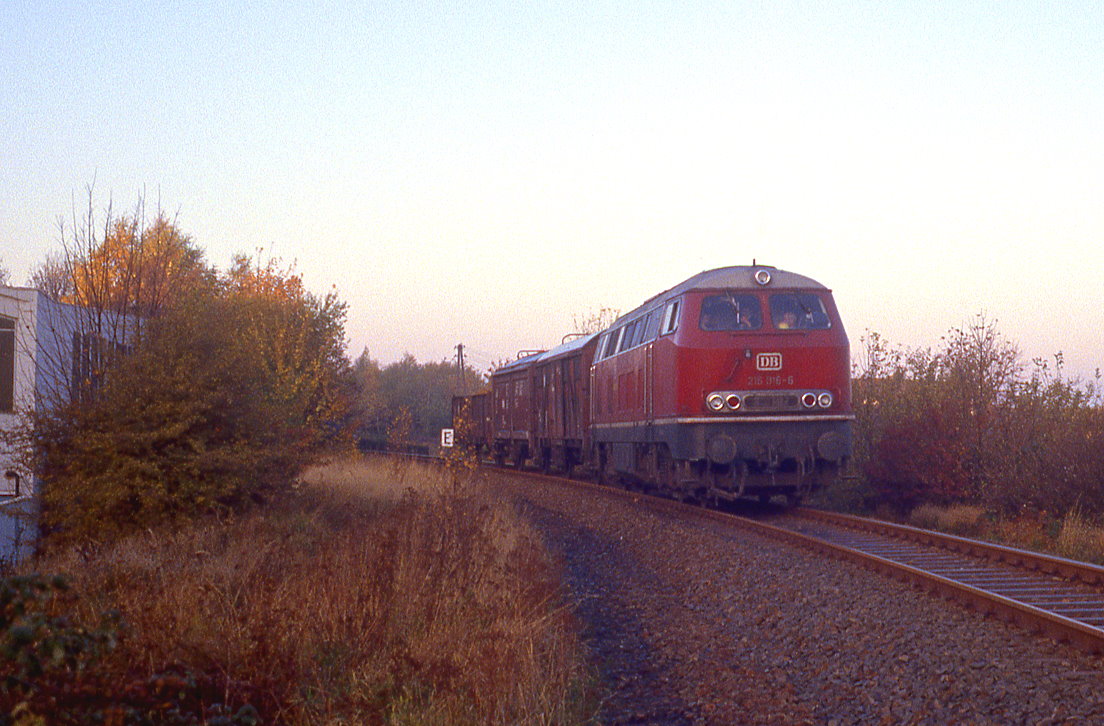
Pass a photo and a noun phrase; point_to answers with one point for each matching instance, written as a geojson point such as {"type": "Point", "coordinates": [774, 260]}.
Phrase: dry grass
{"type": "Point", "coordinates": [957, 519]}
{"type": "Point", "coordinates": [379, 594]}
{"type": "Point", "coordinates": [1074, 536]}
{"type": "Point", "coordinates": [1080, 539]}
{"type": "Point", "coordinates": [1028, 532]}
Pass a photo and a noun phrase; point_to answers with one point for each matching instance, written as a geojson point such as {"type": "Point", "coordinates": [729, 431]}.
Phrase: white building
{"type": "Point", "coordinates": [45, 356]}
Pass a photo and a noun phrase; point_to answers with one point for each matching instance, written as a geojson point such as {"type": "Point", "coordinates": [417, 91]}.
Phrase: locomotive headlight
{"type": "Point", "coordinates": [715, 402]}
{"type": "Point", "coordinates": [825, 399]}
{"type": "Point", "coordinates": [762, 277]}
{"type": "Point", "coordinates": [733, 401]}
{"type": "Point", "coordinates": [808, 399]}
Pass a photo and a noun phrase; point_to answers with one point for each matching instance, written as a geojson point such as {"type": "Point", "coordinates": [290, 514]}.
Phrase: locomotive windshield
{"type": "Point", "coordinates": [798, 311]}
{"type": "Point", "coordinates": [730, 311]}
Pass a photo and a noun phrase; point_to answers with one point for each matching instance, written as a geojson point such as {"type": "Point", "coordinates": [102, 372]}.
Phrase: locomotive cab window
{"type": "Point", "coordinates": [670, 317]}
{"type": "Point", "coordinates": [798, 311]}
{"type": "Point", "coordinates": [730, 311]}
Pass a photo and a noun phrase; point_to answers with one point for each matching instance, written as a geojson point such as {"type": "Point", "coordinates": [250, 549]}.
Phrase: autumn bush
{"type": "Point", "coordinates": [197, 417]}
{"type": "Point", "coordinates": [356, 599]}
{"type": "Point", "coordinates": [971, 423]}
{"type": "Point", "coordinates": [190, 390]}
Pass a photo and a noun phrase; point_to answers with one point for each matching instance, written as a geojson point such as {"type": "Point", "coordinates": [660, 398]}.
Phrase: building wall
{"type": "Point", "coordinates": [41, 378]}
{"type": "Point", "coordinates": [55, 325]}
{"type": "Point", "coordinates": [21, 305]}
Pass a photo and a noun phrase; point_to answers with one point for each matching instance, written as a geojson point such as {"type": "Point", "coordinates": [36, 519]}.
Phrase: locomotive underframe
{"type": "Point", "coordinates": [728, 457]}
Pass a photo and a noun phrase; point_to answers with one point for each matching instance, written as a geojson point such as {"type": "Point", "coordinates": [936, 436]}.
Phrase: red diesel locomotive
{"type": "Point", "coordinates": [733, 383]}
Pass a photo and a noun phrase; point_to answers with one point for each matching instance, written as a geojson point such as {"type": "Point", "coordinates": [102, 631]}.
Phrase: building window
{"type": "Point", "coordinates": [87, 364]}
{"type": "Point", "coordinates": [7, 365]}
{"type": "Point", "coordinates": [92, 356]}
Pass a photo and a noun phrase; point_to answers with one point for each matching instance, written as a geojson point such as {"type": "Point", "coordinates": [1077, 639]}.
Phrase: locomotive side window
{"type": "Point", "coordinates": [611, 343]}
{"type": "Point", "coordinates": [637, 333]}
{"type": "Point", "coordinates": [798, 311]}
{"type": "Point", "coordinates": [653, 324]}
{"type": "Point", "coordinates": [670, 317]}
{"type": "Point", "coordinates": [627, 337]}
{"type": "Point", "coordinates": [615, 341]}
{"type": "Point", "coordinates": [730, 311]}
{"type": "Point", "coordinates": [603, 346]}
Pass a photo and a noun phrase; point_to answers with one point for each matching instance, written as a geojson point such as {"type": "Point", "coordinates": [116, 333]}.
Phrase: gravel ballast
{"type": "Point", "coordinates": [693, 621]}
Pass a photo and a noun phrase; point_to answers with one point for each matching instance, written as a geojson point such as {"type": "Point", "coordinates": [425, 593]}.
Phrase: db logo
{"type": "Point", "coordinates": [768, 362]}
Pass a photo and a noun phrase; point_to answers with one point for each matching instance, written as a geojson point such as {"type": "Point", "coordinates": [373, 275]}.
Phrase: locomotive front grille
{"type": "Point", "coordinates": [772, 402]}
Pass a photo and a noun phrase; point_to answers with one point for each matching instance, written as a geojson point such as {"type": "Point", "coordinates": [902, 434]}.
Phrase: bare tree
{"type": "Point", "coordinates": [53, 277]}
{"type": "Point", "coordinates": [595, 322]}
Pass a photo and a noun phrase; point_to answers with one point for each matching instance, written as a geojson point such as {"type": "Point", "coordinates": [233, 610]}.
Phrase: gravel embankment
{"type": "Point", "coordinates": [690, 621]}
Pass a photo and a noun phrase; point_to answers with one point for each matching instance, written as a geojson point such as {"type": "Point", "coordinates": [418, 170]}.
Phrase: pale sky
{"type": "Point", "coordinates": [480, 173]}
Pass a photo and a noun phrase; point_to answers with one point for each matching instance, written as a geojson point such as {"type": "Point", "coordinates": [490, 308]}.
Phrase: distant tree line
{"type": "Point", "coordinates": [972, 422]}
{"type": "Point", "coordinates": [404, 405]}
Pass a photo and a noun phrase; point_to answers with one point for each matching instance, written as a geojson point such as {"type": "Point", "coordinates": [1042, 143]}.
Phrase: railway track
{"type": "Point", "coordinates": [1059, 597]}
{"type": "Point", "coordinates": [1062, 598]}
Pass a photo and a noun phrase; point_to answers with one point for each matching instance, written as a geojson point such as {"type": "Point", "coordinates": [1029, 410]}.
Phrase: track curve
{"type": "Point", "coordinates": [1059, 597]}
{"type": "Point", "coordinates": [1063, 598]}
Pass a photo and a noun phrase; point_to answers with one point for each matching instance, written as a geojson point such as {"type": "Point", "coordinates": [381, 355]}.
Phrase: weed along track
{"type": "Point", "coordinates": [697, 616]}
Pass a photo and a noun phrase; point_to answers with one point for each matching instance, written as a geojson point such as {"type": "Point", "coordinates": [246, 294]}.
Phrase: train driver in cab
{"type": "Point", "coordinates": [730, 312]}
